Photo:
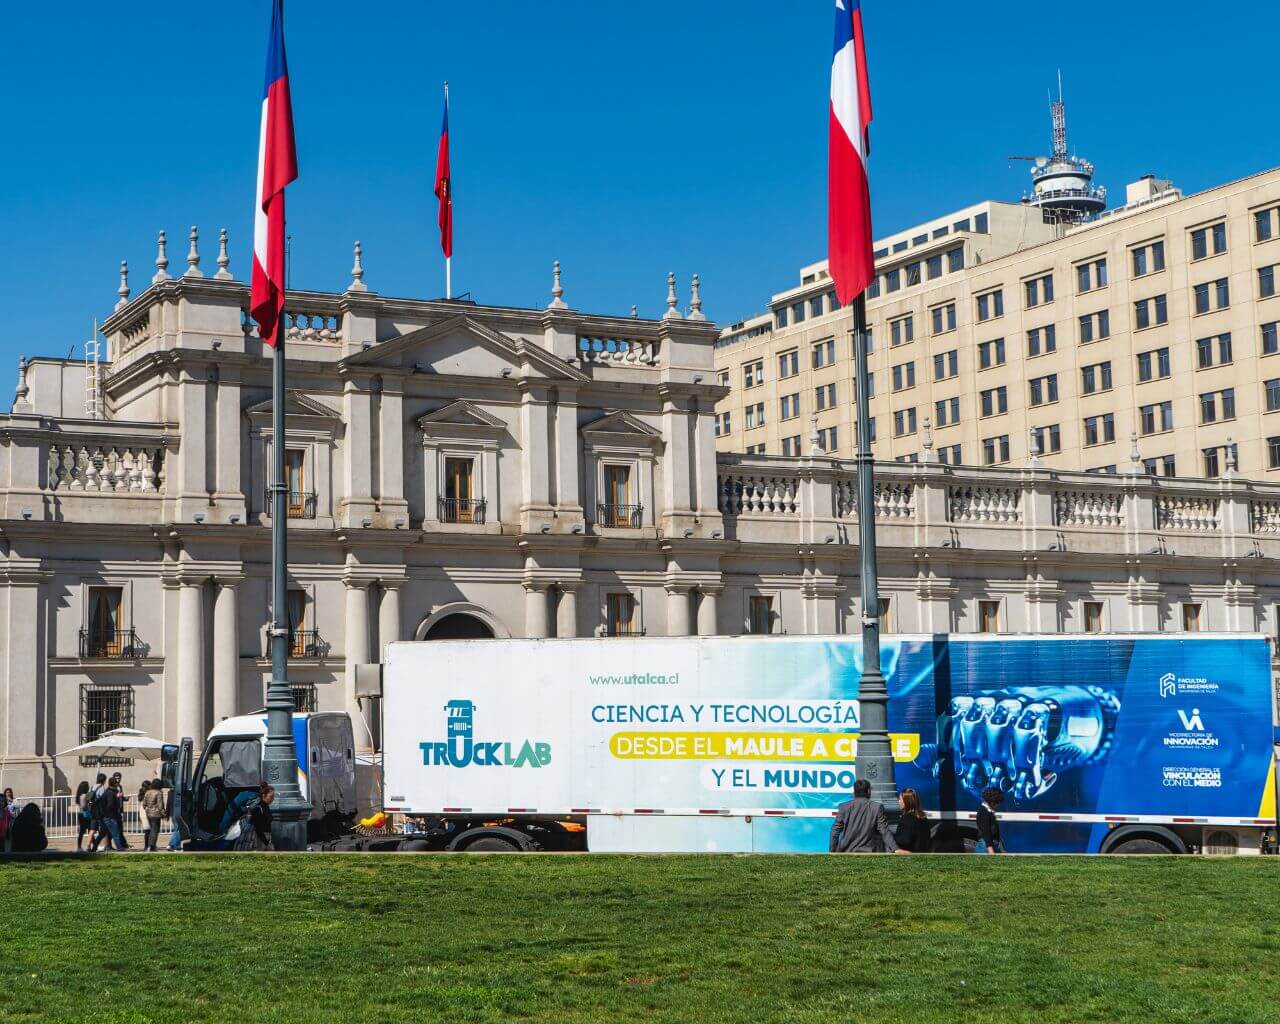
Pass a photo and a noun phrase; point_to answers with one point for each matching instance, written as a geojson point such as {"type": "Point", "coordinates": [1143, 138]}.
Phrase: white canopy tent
{"type": "Point", "coordinates": [120, 743]}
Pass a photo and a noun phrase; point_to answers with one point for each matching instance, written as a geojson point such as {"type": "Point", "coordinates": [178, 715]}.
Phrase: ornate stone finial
{"type": "Point", "coordinates": [162, 260]}
{"type": "Point", "coordinates": [673, 303]}
{"type": "Point", "coordinates": [557, 292]}
{"type": "Point", "coordinates": [635, 312]}
{"type": "Point", "coordinates": [815, 448]}
{"type": "Point", "coordinates": [1231, 457]}
{"type": "Point", "coordinates": [123, 290]}
{"type": "Point", "coordinates": [357, 271]}
{"type": "Point", "coordinates": [224, 260]}
{"type": "Point", "coordinates": [1135, 456]}
{"type": "Point", "coordinates": [927, 454]}
{"type": "Point", "coordinates": [193, 255]}
{"type": "Point", "coordinates": [20, 393]}
{"type": "Point", "coordinates": [1033, 447]}
{"type": "Point", "coordinates": [695, 300]}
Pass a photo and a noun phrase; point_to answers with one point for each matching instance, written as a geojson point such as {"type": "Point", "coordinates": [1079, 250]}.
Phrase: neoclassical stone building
{"type": "Point", "coordinates": [458, 469]}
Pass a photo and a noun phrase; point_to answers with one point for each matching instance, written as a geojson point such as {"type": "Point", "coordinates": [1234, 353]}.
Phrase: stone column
{"type": "Point", "coordinates": [535, 611]}
{"type": "Point", "coordinates": [24, 697]}
{"type": "Point", "coordinates": [709, 611]}
{"type": "Point", "coordinates": [678, 611]}
{"type": "Point", "coordinates": [567, 611]}
{"type": "Point", "coordinates": [226, 649]}
{"type": "Point", "coordinates": [190, 695]}
{"type": "Point", "coordinates": [388, 616]}
{"type": "Point", "coordinates": [355, 645]}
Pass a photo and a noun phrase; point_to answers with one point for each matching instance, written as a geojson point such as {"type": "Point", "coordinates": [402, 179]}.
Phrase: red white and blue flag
{"type": "Point", "coordinates": [444, 183]}
{"type": "Point", "coordinates": [849, 245]}
{"type": "Point", "coordinates": [277, 166]}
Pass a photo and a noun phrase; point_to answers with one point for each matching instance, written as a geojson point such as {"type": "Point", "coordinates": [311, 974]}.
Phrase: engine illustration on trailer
{"type": "Point", "coordinates": [1022, 739]}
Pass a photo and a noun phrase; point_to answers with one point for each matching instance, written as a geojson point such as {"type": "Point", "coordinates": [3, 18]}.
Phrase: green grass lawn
{"type": "Point", "coordinates": [580, 939]}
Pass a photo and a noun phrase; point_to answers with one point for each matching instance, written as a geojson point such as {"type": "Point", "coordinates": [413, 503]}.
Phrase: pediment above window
{"type": "Point", "coordinates": [621, 430]}
{"type": "Point", "coordinates": [461, 419]}
{"type": "Point", "coordinates": [296, 405]}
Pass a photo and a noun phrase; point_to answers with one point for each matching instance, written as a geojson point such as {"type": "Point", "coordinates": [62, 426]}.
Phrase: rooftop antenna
{"type": "Point", "coordinates": [1059, 112]}
{"type": "Point", "coordinates": [92, 380]}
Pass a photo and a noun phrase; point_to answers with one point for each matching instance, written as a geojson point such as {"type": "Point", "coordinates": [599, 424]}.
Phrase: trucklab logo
{"type": "Point", "coordinates": [461, 749]}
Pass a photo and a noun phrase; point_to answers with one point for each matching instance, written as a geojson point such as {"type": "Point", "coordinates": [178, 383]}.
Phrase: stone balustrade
{"type": "Point", "coordinates": [617, 350]}
{"type": "Point", "coordinates": [105, 468]}
{"type": "Point", "coordinates": [931, 505]}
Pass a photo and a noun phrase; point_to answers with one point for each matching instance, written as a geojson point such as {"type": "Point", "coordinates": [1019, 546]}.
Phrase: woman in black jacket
{"type": "Point", "coordinates": [988, 823]}
{"type": "Point", "coordinates": [913, 826]}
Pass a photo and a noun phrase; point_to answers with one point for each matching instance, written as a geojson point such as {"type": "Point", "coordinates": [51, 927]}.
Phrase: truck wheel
{"type": "Point", "coordinates": [491, 844]}
{"type": "Point", "coordinates": [1141, 846]}
{"type": "Point", "coordinates": [414, 846]}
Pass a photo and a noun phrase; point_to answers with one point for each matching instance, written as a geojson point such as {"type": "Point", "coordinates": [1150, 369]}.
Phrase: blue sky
{"type": "Point", "coordinates": [625, 140]}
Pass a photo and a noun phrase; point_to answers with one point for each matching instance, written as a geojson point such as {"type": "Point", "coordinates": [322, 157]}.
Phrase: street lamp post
{"type": "Point", "coordinates": [279, 758]}
{"type": "Point", "coordinates": [875, 756]}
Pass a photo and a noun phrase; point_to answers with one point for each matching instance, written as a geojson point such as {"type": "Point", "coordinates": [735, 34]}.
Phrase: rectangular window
{"type": "Point", "coordinates": [995, 450]}
{"type": "Point", "coordinates": [618, 511]}
{"type": "Point", "coordinates": [1209, 241]}
{"type": "Point", "coordinates": [912, 272]}
{"type": "Point", "coordinates": [1095, 378]}
{"type": "Point", "coordinates": [955, 259]}
{"type": "Point", "coordinates": [460, 505]}
{"type": "Point", "coordinates": [1263, 229]}
{"type": "Point", "coordinates": [1270, 338]}
{"type": "Point", "coordinates": [943, 318]}
{"type": "Point", "coordinates": [753, 374]}
{"type": "Point", "coordinates": [620, 615]}
{"type": "Point", "coordinates": [1218, 405]}
{"type": "Point", "coordinates": [1100, 429]}
{"type": "Point", "coordinates": [990, 305]}
{"type": "Point", "coordinates": [824, 396]}
{"type": "Point", "coordinates": [1091, 275]}
{"type": "Point", "coordinates": [1191, 618]}
{"type": "Point", "coordinates": [780, 318]}
{"type": "Point", "coordinates": [104, 635]}
{"type": "Point", "coordinates": [104, 709]}
{"type": "Point", "coordinates": [1043, 390]}
{"type": "Point", "coordinates": [946, 364]}
{"type": "Point", "coordinates": [722, 424]}
{"type": "Point", "coordinates": [789, 407]}
{"type": "Point", "coordinates": [1267, 281]}
{"type": "Point", "coordinates": [722, 378]}
{"type": "Point", "coordinates": [1042, 340]}
{"type": "Point", "coordinates": [759, 615]}
{"type": "Point", "coordinates": [947, 411]}
{"type": "Point", "coordinates": [1156, 418]}
{"type": "Point", "coordinates": [904, 422]}
{"type": "Point", "coordinates": [756, 449]}
{"type": "Point", "coordinates": [988, 616]}
{"type": "Point", "coordinates": [933, 267]}
{"type": "Point", "coordinates": [995, 401]}
{"type": "Point", "coordinates": [1212, 295]}
{"type": "Point", "coordinates": [828, 439]}
{"type": "Point", "coordinates": [301, 642]}
{"type": "Point", "coordinates": [901, 330]}
{"type": "Point", "coordinates": [1048, 439]}
{"type": "Point", "coordinates": [893, 280]}
{"type": "Point", "coordinates": [788, 364]}
{"type": "Point", "coordinates": [1093, 616]}
{"type": "Point", "coordinates": [991, 353]}
{"type": "Point", "coordinates": [797, 312]}
{"type": "Point", "coordinates": [904, 376]}
{"type": "Point", "coordinates": [1214, 351]}
{"type": "Point", "coordinates": [815, 306]}
{"type": "Point", "coordinates": [1211, 466]}
{"type": "Point", "coordinates": [1039, 290]}
{"type": "Point", "coordinates": [949, 455]}
{"type": "Point", "coordinates": [1150, 312]}
{"type": "Point", "coordinates": [791, 445]}
{"type": "Point", "coordinates": [1148, 259]}
{"type": "Point", "coordinates": [824, 353]}
{"type": "Point", "coordinates": [1273, 453]}
{"type": "Point", "coordinates": [1153, 365]}
{"type": "Point", "coordinates": [755, 415]}
{"type": "Point", "coordinates": [1273, 394]}
{"type": "Point", "coordinates": [1095, 326]}
{"type": "Point", "coordinates": [1165, 465]}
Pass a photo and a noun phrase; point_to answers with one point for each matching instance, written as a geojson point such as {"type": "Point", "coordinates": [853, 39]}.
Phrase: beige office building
{"type": "Point", "coordinates": [996, 333]}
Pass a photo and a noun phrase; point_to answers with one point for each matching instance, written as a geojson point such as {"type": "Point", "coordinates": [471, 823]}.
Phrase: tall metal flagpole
{"type": "Point", "coordinates": [280, 756]}
{"type": "Point", "coordinates": [448, 260]}
{"type": "Point", "coordinates": [875, 755]}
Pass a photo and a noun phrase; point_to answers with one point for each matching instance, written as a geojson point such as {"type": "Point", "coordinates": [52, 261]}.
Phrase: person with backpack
{"type": "Point", "coordinates": [152, 814]}
{"type": "Point", "coordinates": [97, 801]}
{"type": "Point", "coordinates": [107, 809]}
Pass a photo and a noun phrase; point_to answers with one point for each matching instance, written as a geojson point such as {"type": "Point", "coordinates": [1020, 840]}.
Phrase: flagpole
{"type": "Point", "coordinates": [448, 260]}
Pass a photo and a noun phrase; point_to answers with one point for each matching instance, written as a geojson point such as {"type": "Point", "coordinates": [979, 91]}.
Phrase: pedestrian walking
{"type": "Point", "coordinates": [97, 803]}
{"type": "Point", "coordinates": [861, 826]}
{"type": "Point", "coordinates": [913, 832]}
{"type": "Point", "coordinates": [84, 813]}
{"type": "Point", "coordinates": [989, 840]}
{"type": "Point", "coordinates": [107, 805]}
{"type": "Point", "coordinates": [152, 802]}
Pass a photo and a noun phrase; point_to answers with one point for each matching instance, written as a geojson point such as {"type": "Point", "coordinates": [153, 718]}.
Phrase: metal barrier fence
{"type": "Point", "coordinates": [62, 816]}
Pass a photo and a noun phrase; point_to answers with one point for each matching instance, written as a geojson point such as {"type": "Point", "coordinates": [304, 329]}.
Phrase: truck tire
{"type": "Point", "coordinates": [1142, 845]}
{"type": "Point", "coordinates": [491, 844]}
{"type": "Point", "coordinates": [414, 846]}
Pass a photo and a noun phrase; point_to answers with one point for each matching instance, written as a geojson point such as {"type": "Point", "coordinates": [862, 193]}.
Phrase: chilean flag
{"type": "Point", "coordinates": [849, 259]}
{"type": "Point", "coordinates": [277, 166]}
{"type": "Point", "coordinates": [444, 184]}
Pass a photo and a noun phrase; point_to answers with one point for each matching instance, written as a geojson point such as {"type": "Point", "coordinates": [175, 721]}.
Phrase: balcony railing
{"type": "Point", "coordinates": [462, 510]}
{"type": "Point", "coordinates": [119, 644]}
{"type": "Point", "coordinates": [303, 643]}
{"type": "Point", "coordinates": [619, 517]}
{"type": "Point", "coordinates": [299, 504]}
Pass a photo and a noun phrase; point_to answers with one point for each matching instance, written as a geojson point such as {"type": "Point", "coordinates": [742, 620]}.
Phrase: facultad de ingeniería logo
{"type": "Point", "coordinates": [1174, 685]}
{"type": "Point", "coordinates": [461, 749]}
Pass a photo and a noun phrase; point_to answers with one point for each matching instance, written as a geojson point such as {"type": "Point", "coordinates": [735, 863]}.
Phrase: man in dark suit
{"type": "Point", "coordinates": [860, 825]}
